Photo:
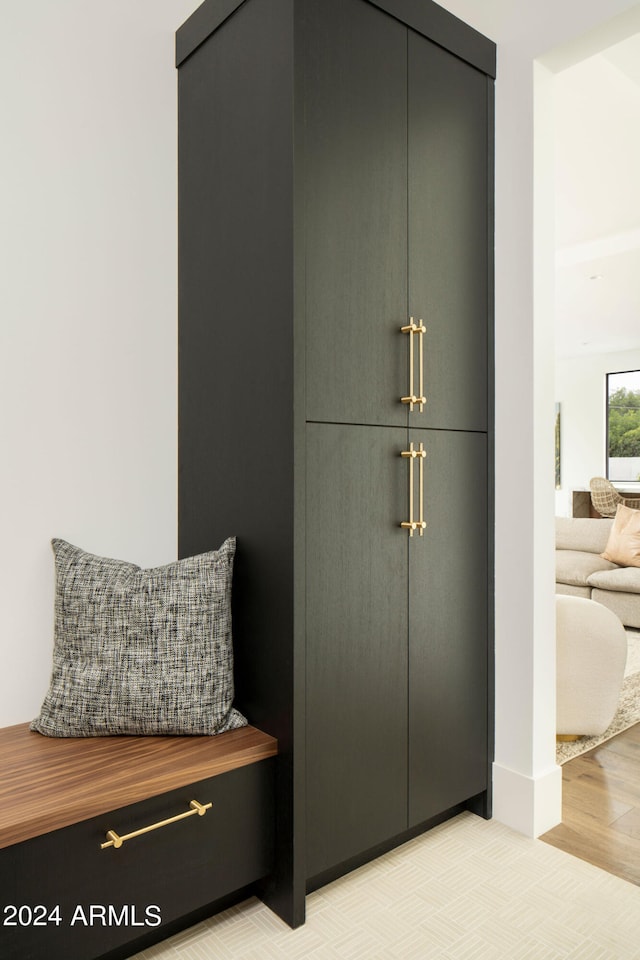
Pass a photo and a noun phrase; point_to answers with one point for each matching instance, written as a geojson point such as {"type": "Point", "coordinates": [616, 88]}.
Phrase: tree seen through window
{"type": "Point", "coordinates": [623, 425]}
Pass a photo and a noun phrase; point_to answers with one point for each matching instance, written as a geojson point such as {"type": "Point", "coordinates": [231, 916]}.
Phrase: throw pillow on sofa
{"type": "Point", "coordinates": [623, 546]}
{"type": "Point", "coordinates": [141, 651]}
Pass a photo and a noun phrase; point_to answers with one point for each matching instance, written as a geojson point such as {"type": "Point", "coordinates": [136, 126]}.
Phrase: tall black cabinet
{"type": "Point", "coordinates": [335, 304]}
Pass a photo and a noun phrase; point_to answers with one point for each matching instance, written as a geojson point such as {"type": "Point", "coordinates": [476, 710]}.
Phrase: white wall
{"type": "Point", "coordinates": [87, 304]}
{"type": "Point", "coordinates": [89, 354]}
{"type": "Point", "coordinates": [527, 784]}
{"type": "Point", "coordinates": [581, 391]}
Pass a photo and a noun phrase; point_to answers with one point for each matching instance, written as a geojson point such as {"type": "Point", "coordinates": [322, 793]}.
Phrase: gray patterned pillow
{"type": "Point", "coordinates": [141, 651]}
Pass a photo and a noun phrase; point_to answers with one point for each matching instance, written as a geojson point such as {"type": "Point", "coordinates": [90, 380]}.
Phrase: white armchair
{"type": "Point", "coordinates": [591, 654]}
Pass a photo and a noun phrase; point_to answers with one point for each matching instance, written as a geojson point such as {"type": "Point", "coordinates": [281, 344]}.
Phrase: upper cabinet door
{"type": "Point", "coordinates": [355, 176]}
{"type": "Point", "coordinates": [449, 234]}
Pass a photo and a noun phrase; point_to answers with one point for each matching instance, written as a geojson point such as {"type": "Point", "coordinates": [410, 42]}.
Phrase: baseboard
{"type": "Point", "coordinates": [530, 805]}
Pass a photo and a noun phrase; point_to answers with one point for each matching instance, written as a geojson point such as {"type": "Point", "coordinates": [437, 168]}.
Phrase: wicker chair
{"type": "Point", "coordinates": [605, 498]}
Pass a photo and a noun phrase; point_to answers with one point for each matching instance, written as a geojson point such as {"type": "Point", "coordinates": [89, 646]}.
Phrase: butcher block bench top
{"type": "Point", "coordinates": [47, 782]}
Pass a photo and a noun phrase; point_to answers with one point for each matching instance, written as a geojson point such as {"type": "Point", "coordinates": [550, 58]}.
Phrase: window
{"type": "Point", "coordinates": [623, 426]}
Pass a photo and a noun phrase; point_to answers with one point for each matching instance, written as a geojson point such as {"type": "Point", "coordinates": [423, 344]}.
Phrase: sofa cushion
{"type": "Point", "coordinates": [626, 606]}
{"type": "Point", "coordinates": [141, 651]}
{"type": "Point", "coordinates": [582, 533]}
{"type": "Point", "coordinates": [623, 545]}
{"type": "Point", "coordinates": [620, 579]}
{"type": "Point", "coordinates": [568, 590]}
{"type": "Point", "coordinates": [576, 566]}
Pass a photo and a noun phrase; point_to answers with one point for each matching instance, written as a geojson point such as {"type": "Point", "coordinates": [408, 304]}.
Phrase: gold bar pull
{"type": "Point", "coordinates": [410, 524]}
{"type": "Point", "coordinates": [421, 522]}
{"type": "Point", "coordinates": [412, 454]}
{"type": "Point", "coordinates": [114, 840]}
{"type": "Point", "coordinates": [412, 399]}
{"type": "Point", "coordinates": [421, 331]}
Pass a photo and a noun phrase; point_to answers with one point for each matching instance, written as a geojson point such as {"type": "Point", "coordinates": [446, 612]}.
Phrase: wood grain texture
{"type": "Point", "coordinates": [448, 249]}
{"type": "Point", "coordinates": [293, 288]}
{"type": "Point", "coordinates": [48, 783]}
{"type": "Point", "coordinates": [183, 867]}
{"type": "Point", "coordinates": [601, 807]}
{"type": "Point", "coordinates": [448, 628]}
{"type": "Point", "coordinates": [356, 214]}
{"type": "Point", "coordinates": [356, 641]}
{"type": "Point", "coordinates": [236, 409]}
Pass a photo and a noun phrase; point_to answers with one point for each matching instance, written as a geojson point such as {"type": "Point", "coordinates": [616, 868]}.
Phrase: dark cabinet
{"type": "Point", "coordinates": [69, 893]}
{"type": "Point", "coordinates": [355, 223]}
{"type": "Point", "coordinates": [335, 187]}
{"type": "Point", "coordinates": [396, 635]}
{"type": "Point", "coordinates": [396, 213]}
{"type": "Point", "coordinates": [450, 231]}
{"type": "Point", "coordinates": [356, 639]}
{"type": "Point", "coordinates": [448, 672]}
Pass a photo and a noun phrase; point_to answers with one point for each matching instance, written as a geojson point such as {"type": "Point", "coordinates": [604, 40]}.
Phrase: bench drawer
{"type": "Point", "coordinates": [76, 901]}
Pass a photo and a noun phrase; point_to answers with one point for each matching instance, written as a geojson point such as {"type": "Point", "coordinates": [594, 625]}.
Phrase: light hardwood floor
{"type": "Point", "coordinates": [601, 807]}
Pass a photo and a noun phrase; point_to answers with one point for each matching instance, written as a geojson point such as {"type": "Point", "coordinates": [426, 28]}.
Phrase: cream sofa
{"type": "Point", "coordinates": [581, 571]}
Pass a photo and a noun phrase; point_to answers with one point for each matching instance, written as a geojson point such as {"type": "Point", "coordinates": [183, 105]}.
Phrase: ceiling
{"type": "Point", "coordinates": [597, 120]}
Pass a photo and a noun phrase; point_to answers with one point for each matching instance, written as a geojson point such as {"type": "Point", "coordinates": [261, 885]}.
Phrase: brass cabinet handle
{"type": "Point", "coordinates": [412, 329]}
{"type": "Point", "coordinates": [114, 840]}
{"type": "Point", "coordinates": [420, 525]}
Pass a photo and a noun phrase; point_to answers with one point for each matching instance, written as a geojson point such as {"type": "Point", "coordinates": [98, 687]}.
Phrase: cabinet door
{"type": "Point", "coordinates": [355, 195]}
{"type": "Point", "coordinates": [448, 233]}
{"type": "Point", "coordinates": [448, 627]}
{"type": "Point", "coordinates": [356, 576]}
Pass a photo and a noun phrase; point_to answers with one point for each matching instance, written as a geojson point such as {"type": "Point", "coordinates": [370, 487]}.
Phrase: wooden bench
{"type": "Point", "coordinates": [108, 844]}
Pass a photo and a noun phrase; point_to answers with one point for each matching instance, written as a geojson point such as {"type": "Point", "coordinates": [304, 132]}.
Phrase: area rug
{"type": "Point", "coordinates": [627, 714]}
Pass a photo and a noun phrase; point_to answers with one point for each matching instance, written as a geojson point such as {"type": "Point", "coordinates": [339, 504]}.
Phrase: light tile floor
{"type": "Point", "coordinates": [467, 890]}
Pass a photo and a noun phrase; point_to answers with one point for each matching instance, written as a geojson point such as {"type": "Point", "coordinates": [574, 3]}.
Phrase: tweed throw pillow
{"type": "Point", "coordinates": [141, 651]}
{"type": "Point", "coordinates": [623, 546]}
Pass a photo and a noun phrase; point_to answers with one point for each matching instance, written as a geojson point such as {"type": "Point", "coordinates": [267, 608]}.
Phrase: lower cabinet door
{"type": "Point", "coordinates": [448, 629]}
{"type": "Point", "coordinates": [64, 898]}
{"type": "Point", "coordinates": [356, 633]}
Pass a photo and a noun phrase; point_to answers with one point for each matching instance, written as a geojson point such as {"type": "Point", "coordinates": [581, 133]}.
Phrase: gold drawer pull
{"type": "Point", "coordinates": [114, 840]}
{"type": "Point", "coordinates": [412, 399]}
{"type": "Point", "coordinates": [420, 525]}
